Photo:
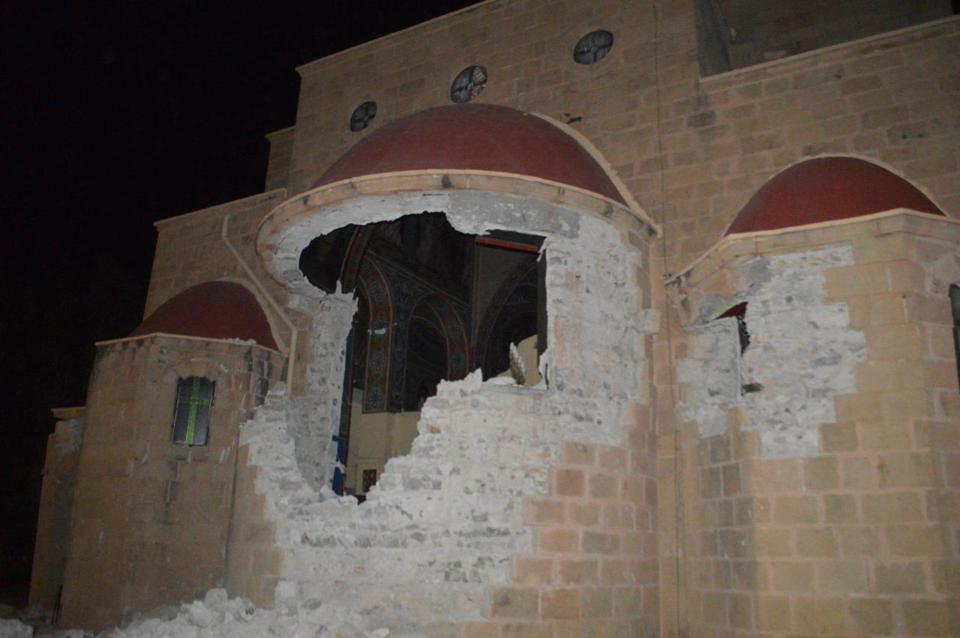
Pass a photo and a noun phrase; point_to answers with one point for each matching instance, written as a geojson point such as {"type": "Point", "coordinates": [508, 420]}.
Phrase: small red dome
{"type": "Point", "coordinates": [213, 310]}
{"type": "Point", "coordinates": [827, 189]}
{"type": "Point", "coordinates": [481, 137]}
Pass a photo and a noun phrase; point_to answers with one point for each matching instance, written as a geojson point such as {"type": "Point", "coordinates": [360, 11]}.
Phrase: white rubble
{"type": "Point", "coordinates": [217, 616]}
{"type": "Point", "coordinates": [13, 628]}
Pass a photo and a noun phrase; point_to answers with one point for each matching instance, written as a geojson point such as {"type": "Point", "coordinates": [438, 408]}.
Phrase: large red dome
{"type": "Point", "coordinates": [213, 310]}
{"type": "Point", "coordinates": [481, 137]}
{"type": "Point", "coordinates": [827, 189]}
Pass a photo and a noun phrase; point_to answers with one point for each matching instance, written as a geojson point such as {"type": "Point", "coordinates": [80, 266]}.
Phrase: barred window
{"type": "Point", "coordinates": [191, 414]}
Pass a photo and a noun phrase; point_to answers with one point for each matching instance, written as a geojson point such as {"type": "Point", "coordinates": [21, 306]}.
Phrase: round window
{"type": "Point", "coordinates": [468, 84]}
{"type": "Point", "coordinates": [593, 47]}
{"type": "Point", "coordinates": [362, 116]}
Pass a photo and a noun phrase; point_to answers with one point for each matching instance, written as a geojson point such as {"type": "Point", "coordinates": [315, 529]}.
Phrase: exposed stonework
{"type": "Point", "coordinates": [802, 352]}
{"type": "Point", "coordinates": [450, 515]}
{"type": "Point", "coordinates": [662, 478]}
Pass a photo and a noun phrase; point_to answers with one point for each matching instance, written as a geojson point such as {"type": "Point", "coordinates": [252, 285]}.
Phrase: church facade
{"type": "Point", "coordinates": [555, 318]}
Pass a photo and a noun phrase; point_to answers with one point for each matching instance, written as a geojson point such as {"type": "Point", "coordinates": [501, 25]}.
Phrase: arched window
{"type": "Point", "coordinates": [191, 412]}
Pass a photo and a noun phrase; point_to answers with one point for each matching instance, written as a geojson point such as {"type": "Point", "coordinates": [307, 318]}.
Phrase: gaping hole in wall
{"type": "Point", "coordinates": [433, 304]}
{"type": "Point", "coordinates": [740, 312]}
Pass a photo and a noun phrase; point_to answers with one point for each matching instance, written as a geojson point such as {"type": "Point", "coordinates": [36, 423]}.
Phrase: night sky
{"type": "Point", "coordinates": [114, 115]}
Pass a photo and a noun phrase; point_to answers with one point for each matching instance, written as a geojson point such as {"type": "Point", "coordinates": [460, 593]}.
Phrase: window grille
{"type": "Point", "coordinates": [191, 413]}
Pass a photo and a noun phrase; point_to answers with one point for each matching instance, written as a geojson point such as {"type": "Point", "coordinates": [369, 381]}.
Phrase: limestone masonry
{"type": "Point", "coordinates": [557, 318]}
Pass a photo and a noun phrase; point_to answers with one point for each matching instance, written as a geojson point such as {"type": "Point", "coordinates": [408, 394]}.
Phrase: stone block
{"type": "Point", "coordinates": [900, 578]}
{"type": "Point", "coordinates": [599, 543]}
{"type": "Point", "coordinates": [612, 459]}
{"type": "Point", "coordinates": [614, 572]}
{"type": "Point", "coordinates": [596, 602]}
{"type": "Point", "coordinates": [886, 435]}
{"type": "Point", "coordinates": [772, 542]}
{"type": "Point", "coordinates": [894, 341]}
{"type": "Point", "coordinates": [532, 570]}
{"type": "Point", "coordinates": [793, 576]}
{"type": "Point", "coordinates": [928, 618]}
{"type": "Point", "coordinates": [541, 511]}
{"type": "Point", "coordinates": [838, 437]}
{"type": "Point", "coordinates": [796, 509]}
{"type": "Point", "coordinates": [603, 485]}
{"type": "Point", "coordinates": [627, 601]}
{"type": "Point", "coordinates": [909, 541]}
{"type": "Point", "coordinates": [583, 513]}
{"type": "Point", "coordinates": [859, 541]}
{"type": "Point", "coordinates": [844, 577]}
{"type": "Point", "coordinates": [816, 542]}
{"type": "Point", "coordinates": [481, 630]}
{"type": "Point", "coordinates": [579, 454]}
{"type": "Point", "coordinates": [857, 472]}
{"type": "Point", "coordinates": [569, 482]}
{"type": "Point", "coordinates": [558, 540]}
{"type": "Point", "coordinates": [907, 469]}
{"type": "Point", "coordinates": [560, 604]}
{"type": "Point", "coordinates": [773, 476]}
{"type": "Point", "coordinates": [820, 616]}
{"type": "Point", "coordinates": [871, 616]}
{"type": "Point", "coordinates": [850, 281]}
{"type": "Point", "coordinates": [891, 507]}
{"type": "Point", "coordinates": [820, 473]}
{"type": "Point", "coordinates": [526, 630]}
{"type": "Point", "coordinates": [515, 602]}
{"type": "Point", "coordinates": [840, 508]}
{"type": "Point", "coordinates": [579, 572]}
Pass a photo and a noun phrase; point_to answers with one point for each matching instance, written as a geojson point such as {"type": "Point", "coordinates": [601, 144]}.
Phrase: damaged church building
{"type": "Point", "coordinates": [555, 318]}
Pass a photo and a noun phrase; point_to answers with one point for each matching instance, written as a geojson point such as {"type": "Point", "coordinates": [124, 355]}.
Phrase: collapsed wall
{"type": "Point", "coordinates": [818, 489]}
{"type": "Point", "coordinates": [436, 543]}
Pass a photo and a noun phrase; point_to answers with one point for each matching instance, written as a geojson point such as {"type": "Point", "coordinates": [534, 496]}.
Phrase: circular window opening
{"type": "Point", "coordinates": [362, 116]}
{"type": "Point", "coordinates": [593, 47]}
{"type": "Point", "coordinates": [468, 84]}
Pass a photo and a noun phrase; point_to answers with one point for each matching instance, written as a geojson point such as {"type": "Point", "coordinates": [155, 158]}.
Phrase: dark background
{"type": "Point", "coordinates": [114, 115]}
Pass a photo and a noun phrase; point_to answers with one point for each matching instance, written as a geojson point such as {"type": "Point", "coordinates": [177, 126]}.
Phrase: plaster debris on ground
{"type": "Point", "coordinates": [219, 616]}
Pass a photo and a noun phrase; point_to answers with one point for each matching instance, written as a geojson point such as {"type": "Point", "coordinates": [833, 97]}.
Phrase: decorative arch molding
{"type": "Point", "coordinates": [377, 291]}
{"type": "Point", "coordinates": [453, 330]}
{"type": "Point", "coordinates": [350, 271]}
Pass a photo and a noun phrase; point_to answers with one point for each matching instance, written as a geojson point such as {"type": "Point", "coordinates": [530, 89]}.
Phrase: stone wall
{"type": "Point", "coordinates": [892, 99]}
{"type": "Point", "coordinates": [56, 509]}
{"type": "Point", "coordinates": [856, 533]}
{"type": "Point", "coordinates": [764, 30]}
{"type": "Point", "coordinates": [190, 251]}
{"type": "Point", "coordinates": [839, 517]}
{"type": "Point", "coordinates": [691, 150]}
{"type": "Point", "coordinates": [443, 537]}
{"type": "Point", "coordinates": [151, 518]}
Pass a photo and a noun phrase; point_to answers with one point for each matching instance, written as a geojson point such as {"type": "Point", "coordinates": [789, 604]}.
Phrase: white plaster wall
{"type": "Point", "coordinates": [443, 523]}
{"type": "Point", "coordinates": [802, 352]}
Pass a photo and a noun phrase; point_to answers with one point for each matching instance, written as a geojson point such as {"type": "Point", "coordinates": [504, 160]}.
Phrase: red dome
{"type": "Point", "coordinates": [826, 189]}
{"type": "Point", "coordinates": [480, 137]}
{"type": "Point", "coordinates": [213, 310]}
